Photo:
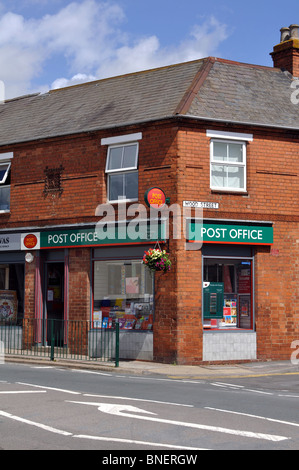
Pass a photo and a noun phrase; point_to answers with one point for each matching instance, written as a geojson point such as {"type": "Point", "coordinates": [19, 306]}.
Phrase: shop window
{"type": "Point", "coordinates": [122, 173]}
{"type": "Point", "coordinates": [122, 291]}
{"type": "Point", "coordinates": [5, 170]}
{"type": "Point", "coordinates": [11, 293]}
{"type": "Point", "coordinates": [227, 294]}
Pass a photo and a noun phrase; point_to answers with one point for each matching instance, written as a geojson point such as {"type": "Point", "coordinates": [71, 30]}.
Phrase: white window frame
{"type": "Point", "coordinates": [117, 143]}
{"type": "Point", "coordinates": [5, 159]}
{"type": "Point", "coordinates": [229, 138]}
{"type": "Point", "coordinates": [122, 169]}
{"type": "Point", "coordinates": [8, 164]}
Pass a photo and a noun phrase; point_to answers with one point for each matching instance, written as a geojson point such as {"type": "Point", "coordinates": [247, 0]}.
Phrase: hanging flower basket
{"type": "Point", "coordinates": [157, 260]}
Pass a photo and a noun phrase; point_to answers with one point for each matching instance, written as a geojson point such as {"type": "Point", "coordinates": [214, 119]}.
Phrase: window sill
{"type": "Point", "coordinates": [5, 211]}
{"type": "Point", "coordinates": [120, 201]}
{"type": "Point", "coordinates": [228, 329]}
{"type": "Point", "coordinates": [242, 192]}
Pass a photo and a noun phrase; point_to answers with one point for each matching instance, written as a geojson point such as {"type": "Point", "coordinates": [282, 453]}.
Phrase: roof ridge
{"type": "Point", "coordinates": [194, 88]}
{"type": "Point", "coordinates": [245, 64]}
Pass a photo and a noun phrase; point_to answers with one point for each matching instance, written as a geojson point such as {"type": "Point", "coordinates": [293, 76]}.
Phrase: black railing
{"type": "Point", "coordinates": [68, 339]}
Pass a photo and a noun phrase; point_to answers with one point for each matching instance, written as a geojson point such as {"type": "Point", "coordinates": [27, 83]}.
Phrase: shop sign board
{"type": "Point", "coordinates": [155, 198]}
{"type": "Point", "coordinates": [201, 204]}
{"type": "Point", "coordinates": [95, 236]}
{"type": "Point", "coordinates": [10, 242]}
{"type": "Point", "coordinates": [30, 241]}
{"type": "Point", "coordinates": [231, 234]}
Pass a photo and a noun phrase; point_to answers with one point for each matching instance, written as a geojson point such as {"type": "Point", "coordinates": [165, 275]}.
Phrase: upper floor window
{"type": "Point", "coordinates": [122, 167]}
{"type": "Point", "coordinates": [228, 161]}
{"type": "Point", "coordinates": [5, 164]}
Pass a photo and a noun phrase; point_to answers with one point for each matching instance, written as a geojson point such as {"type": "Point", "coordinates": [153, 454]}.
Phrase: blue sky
{"type": "Point", "coordinates": [47, 44]}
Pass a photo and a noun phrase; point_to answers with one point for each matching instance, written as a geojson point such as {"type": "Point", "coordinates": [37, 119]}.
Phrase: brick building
{"type": "Point", "coordinates": [212, 134]}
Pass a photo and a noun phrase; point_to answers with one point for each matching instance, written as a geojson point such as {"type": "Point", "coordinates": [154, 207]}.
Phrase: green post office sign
{"type": "Point", "coordinates": [102, 236]}
{"type": "Point", "coordinates": [232, 234]}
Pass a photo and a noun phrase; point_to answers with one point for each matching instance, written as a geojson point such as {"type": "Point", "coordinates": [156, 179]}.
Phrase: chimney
{"type": "Point", "coordinates": [286, 54]}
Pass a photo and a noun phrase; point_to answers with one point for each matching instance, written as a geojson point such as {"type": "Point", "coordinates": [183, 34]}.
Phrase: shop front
{"type": "Point", "coordinates": [12, 290]}
{"type": "Point", "coordinates": [84, 277]}
{"type": "Point", "coordinates": [123, 292]}
{"type": "Point", "coordinates": [228, 287]}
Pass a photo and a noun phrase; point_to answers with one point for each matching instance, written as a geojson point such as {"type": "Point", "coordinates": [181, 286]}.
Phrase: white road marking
{"type": "Point", "coordinates": [50, 388]}
{"type": "Point", "coordinates": [224, 385]}
{"type": "Point", "coordinates": [32, 423]}
{"type": "Point", "coordinates": [230, 385]}
{"type": "Point", "coordinates": [120, 410]}
{"type": "Point", "coordinates": [131, 441]}
{"type": "Point", "coordinates": [137, 399]}
{"type": "Point", "coordinates": [42, 367]}
{"type": "Point", "coordinates": [97, 438]}
{"type": "Point", "coordinates": [289, 423]}
{"type": "Point", "coordinates": [92, 372]}
{"type": "Point", "coordinates": [257, 391]}
{"type": "Point", "coordinates": [289, 396]}
{"type": "Point", "coordinates": [22, 391]}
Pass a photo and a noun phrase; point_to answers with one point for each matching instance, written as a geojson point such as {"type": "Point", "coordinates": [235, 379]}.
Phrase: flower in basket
{"type": "Point", "coordinates": [157, 260]}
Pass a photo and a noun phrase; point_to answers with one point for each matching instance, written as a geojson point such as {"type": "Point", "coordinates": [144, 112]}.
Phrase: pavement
{"type": "Point", "coordinates": [204, 371]}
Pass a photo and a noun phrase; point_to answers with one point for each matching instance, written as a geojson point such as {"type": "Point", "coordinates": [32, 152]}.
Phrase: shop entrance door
{"type": "Point", "coordinates": [54, 303]}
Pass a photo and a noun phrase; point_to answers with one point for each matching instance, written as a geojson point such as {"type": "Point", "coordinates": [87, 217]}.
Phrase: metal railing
{"type": "Point", "coordinates": [70, 339]}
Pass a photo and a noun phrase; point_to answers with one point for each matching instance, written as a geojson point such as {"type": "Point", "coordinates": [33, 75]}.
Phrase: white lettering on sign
{"type": "Point", "coordinates": [235, 234]}
{"type": "Point", "coordinates": [80, 237]}
{"type": "Point", "coordinates": [57, 239]}
{"type": "Point", "coordinates": [202, 205]}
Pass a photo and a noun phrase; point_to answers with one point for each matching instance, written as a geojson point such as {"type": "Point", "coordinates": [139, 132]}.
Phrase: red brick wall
{"type": "Point", "coordinates": [277, 294]}
{"type": "Point", "coordinates": [29, 297]}
{"type": "Point", "coordinates": [79, 283]}
{"type": "Point", "coordinates": [273, 192]}
{"type": "Point", "coordinates": [83, 177]}
{"type": "Point", "coordinates": [286, 56]}
{"type": "Point", "coordinates": [81, 188]}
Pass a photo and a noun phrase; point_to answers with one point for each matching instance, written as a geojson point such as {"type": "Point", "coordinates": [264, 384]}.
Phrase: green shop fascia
{"type": "Point", "coordinates": [226, 233]}
{"type": "Point", "coordinates": [117, 234]}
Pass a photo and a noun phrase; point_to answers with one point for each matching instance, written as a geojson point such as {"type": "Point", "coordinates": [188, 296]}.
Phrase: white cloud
{"type": "Point", "coordinates": [147, 52]}
{"type": "Point", "coordinates": [87, 37]}
{"type": "Point", "coordinates": [75, 80]}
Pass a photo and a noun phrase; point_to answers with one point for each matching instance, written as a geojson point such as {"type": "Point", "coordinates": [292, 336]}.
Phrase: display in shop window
{"type": "Point", "coordinates": [8, 305]}
{"type": "Point", "coordinates": [229, 313]}
{"type": "Point", "coordinates": [236, 276]}
{"type": "Point", "coordinates": [132, 285]}
{"type": "Point", "coordinates": [123, 293]}
{"type": "Point", "coordinates": [137, 317]}
{"type": "Point", "coordinates": [213, 299]}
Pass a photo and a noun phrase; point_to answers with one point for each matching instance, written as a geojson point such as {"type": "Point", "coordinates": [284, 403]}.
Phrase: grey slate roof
{"type": "Point", "coordinates": [206, 88]}
{"type": "Point", "coordinates": [248, 94]}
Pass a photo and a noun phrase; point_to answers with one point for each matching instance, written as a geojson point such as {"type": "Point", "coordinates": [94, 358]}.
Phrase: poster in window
{"type": "Point", "coordinates": [244, 305]}
{"type": "Point", "coordinates": [132, 285]}
{"type": "Point", "coordinates": [244, 281]}
{"type": "Point", "coordinates": [8, 305]}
